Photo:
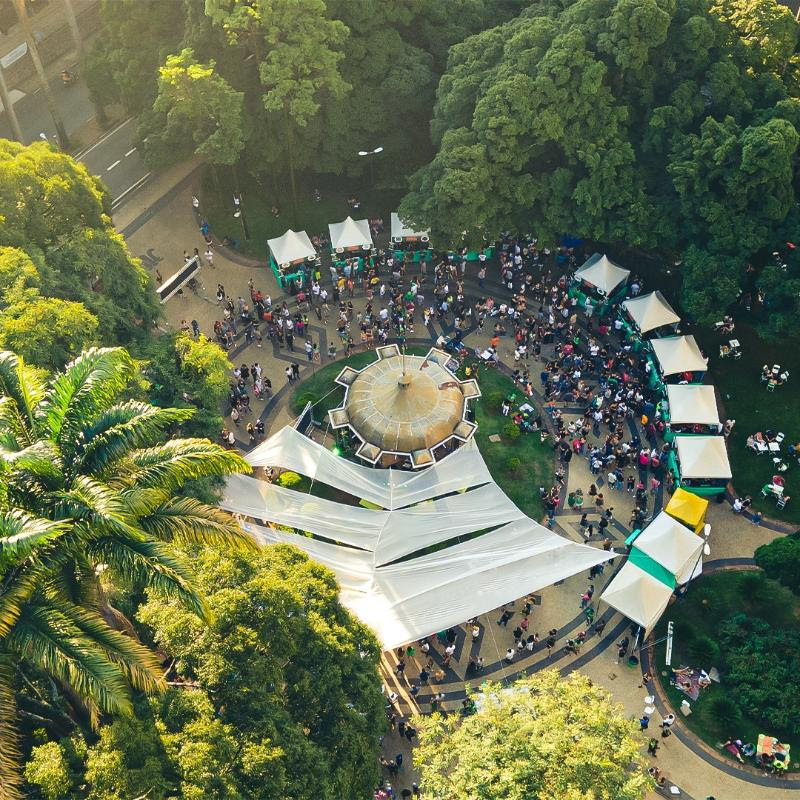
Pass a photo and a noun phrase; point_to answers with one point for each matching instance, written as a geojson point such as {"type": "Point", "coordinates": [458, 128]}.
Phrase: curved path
{"type": "Point", "coordinates": [164, 230]}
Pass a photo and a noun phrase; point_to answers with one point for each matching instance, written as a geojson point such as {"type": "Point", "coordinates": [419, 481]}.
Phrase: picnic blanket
{"type": "Point", "coordinates": [771, 746]}
{"type": "Point", "coordinates": [688, 682]}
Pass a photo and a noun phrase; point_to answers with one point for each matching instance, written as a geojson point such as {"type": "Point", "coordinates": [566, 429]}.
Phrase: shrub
{"type": "Point", "coordinates": [704, 652]}
{"type": "Point", "coordinates": [288, 479]}
{"type": "Point", "coordinates": [725, 714]}
{"type": "Point", "coordinates": [299, 400]}
{"type": "Point", "coordinates": [511, 430]}
{"type": "Point", "coordinates": [513, 464]}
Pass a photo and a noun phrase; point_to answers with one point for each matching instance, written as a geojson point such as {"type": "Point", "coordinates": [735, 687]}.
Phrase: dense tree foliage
{"type": "Point", "coordinates": [761, 670]}
{"type": "Point", "coordinates": [88, 496]}
{"type": "Point", "coordinates": [279, 696]}
{"type": "Point", "coordinates": [663, 124]}
{"type": "Point", "coordinates": [542, 738]}
{"type": "Point", "coordinates": [57, 241]}
{"type": "Point", "coordinates": [780, 559]}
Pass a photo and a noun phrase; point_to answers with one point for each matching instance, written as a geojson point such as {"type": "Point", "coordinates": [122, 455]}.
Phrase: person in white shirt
{"type": "Point", "coordinates": [509, 655]}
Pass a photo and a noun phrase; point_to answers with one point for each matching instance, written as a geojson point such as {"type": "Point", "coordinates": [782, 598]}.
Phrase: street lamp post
{"type": "Point", "coordinates": [374, 152]}
{"type": "Point", "coordinates": [239, 214]}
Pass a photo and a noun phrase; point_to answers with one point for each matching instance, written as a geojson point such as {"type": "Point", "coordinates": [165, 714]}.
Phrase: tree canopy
{"type": "Point", "coordinates": [662, 124]}
{"type": "Point", "coordinates": [544, 737]}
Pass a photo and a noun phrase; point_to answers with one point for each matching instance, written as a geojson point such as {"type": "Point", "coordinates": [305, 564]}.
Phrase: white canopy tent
{"type": "Point", "coordinates": [703, 457]}
{"type": "Point", "coordinates": [678, 354]}
{"type": "Point", "coordinates": [385, 577]}
{"type": "Point", "coordinates": [638, 595]}
{"type": "Point", "coordinates": [401, 231]}
{"type": "Point", "coordinates": [650, 311]}
{"type": "Point", "coordinates": [672, 545]}
{"type": "Point", "coordinates": [350, 233]}
{"type": "Point", "coordinates": [603, 274]}
{"type": "Point", "coordinates": [292, 246]}
{"type": "Point", "coordinates": [692, 404]}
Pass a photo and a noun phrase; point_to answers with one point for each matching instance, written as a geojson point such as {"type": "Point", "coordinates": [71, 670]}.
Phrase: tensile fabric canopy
{"type": "Point", "coordinates": [650, 311]}
{"type": "Point", "coordinates": [292, 246]}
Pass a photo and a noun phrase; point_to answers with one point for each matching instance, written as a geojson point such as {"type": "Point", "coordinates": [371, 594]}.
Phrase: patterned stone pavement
{"type": "Point", "coordinates": [161, 224]}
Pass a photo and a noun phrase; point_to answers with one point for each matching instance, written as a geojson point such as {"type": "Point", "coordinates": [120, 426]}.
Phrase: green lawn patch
{"type": "Point", "coordinates": [755, 409]}
{"type": "Point", "coordinates": [697, 617]}
{"type": "Point", "coordinates": [312, 216]}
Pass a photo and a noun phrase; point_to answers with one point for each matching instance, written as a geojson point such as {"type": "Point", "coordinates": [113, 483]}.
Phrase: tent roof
{"type": "Point", "coordinates": [650, 311]}
{"type": "Point", "coordinates": [602, 273]}
{"type": "Point", "coordinates": [678, 354]}
{"type": "Point", "coordinates": [292, 246]}
{"type": "Point", "coordinates": [691, 404]}
{"type": "Point", "coordinates": [388, 577]}
{"type": "Point", "coordinates": [350, 233]}
{"type": "Point", "coordinates": [639, 596]}
{"type": "Point", "coordinates": [687, 507]}
{"type": "Point", "coordinates": [670, 544]}
{"type": "Point", "coordinates": [703, 457]}
{"type": "Point", "coordinates": [401, 231]}
{"type": "Point", "coordinates": [388, 488]}
{"type": "Point", "coordinates": [652, 567]}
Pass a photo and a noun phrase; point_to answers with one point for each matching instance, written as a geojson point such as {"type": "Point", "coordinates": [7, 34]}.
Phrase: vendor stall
{"type": "Point", "coordinates": [641, 596]}
{"type": "Point", "coordinates": [700, 464]}
{"type": "Point", "coordinates": [408, 243]}
{"type": "Point", "coordinates": [691, 408]}
{"type": "Point", "coordinates": [688, 508]}
{"type": "Point", "coordinates": [676, 359]}
{"type": "Point", "coordinates": [602, 281]}
{"type": "Point", "coordinates": [671, 545]}
{"type": "Point", "coordinates": [351, 240]}
{"type": "Point", "coordinates": [289, 255]}
{"type": "Point", "coordinates": [649, 313]}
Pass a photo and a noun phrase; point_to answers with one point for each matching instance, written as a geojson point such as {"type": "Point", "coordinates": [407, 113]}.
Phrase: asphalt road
{"type": "Point", "coordinates": [116, 161]}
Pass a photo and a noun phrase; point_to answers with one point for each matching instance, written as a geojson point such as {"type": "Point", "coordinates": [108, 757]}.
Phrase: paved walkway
{"type": "Point", "coordinates": [160, 224]}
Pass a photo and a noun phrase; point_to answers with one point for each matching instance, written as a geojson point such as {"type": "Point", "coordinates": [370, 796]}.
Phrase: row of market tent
{"type": "Point", "coordinates": [292, 253]}
{"type": "Point", "coordinates": [698, 459]}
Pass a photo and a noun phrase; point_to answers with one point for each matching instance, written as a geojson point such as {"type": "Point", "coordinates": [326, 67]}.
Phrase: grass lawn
{"type": "Point", "coordinates": [312, 217]}
{"type": "Point", "coordinates": [710, 600]}
{"type": "Point", "coordinates": [754, 409]}
{"type": "Point", "coordinates": [536, 458]}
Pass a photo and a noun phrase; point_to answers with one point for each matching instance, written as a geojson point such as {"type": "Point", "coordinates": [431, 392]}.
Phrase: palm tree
{"type": "Point", "coordinates": [88, 487]}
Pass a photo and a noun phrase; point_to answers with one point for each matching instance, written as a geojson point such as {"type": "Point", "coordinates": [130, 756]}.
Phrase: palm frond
{"type": "Point", "coordinates": [46, 637]}
{"type": "Point", "coordinates": [87, 386]}
{"type": "Point", "coordinates": [140, 666]}
{"type": "Point", "coordinates": [168, 466]}
{"type": "Point", "coordinates": [123, 428]}
{"type": "Point", "coordinates": [10, 755]}
{"type": "Point", "coordinates": [150, 563]}
{"type": "Point", "coordinates": [40, 461]}
{"type": "Point", "coordinates": [18, 587]}
{"type": "Point", "coordinates": [20, 383]}
{"type": "Point", "coordinates": [21, 534]}
{"type": "Point", "coordinates": [99, 507]}
{"type": "Point", "coordinates": [14, 433]}
{"type": "Point", "coordinates": [188, 521]}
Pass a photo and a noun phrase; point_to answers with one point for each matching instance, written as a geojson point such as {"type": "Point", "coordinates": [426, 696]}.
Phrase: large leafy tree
{"type": "Point", "coordinates": [542, 738]}
{"type": "Point", "coordinates": [88, 485]}
{"type": "Point", "coordinates": [661, 124]}
{"type": "Point", "coordinates": [196, 111]}
{"type": "Point", "coordinates": [287, 667]}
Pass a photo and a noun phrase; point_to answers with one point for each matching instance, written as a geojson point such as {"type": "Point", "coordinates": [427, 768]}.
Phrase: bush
{"type": "Point", "coordinates": [299, 401]}
{"type": "Point", "coordinates": [511, 430]}
{"type": "Point", "coordinates": [725, 714]}
{"type": "Point", "coordinates": [513, 464]}
{"type": "Point", "coordinates": [704, 652]}
{"type": "Point", "coordinates": [780, 559]}
{"type": "Point", "coordinates": [288, 479]}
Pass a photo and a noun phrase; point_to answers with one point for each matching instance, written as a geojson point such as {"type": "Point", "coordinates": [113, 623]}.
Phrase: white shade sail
{"type": "Point", "coordinates": [350, 233]}
{"type": "Point", "coordinates": [390, 489]}
{"type": "Point", "coordinates": [386, 577]}
{"type": "Point", "coordinates": [703, 457]}
{"type": "Point", "coordinates": [292, 246]}
{"type": "Point", "coordinates": [401, 231]}
{"type": "Point", "coordinates": [678, 354]}
{"type": "Point", "coordinates": [672, 545]}
{"type": "Point", "coordinates": [602, 273]}
{"type": "Point", "coordinates": [639, 596]}
{"type": "Point", "coordinates": [692, 404]}
{"type": "Point", "coordinates": [650, 311]}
